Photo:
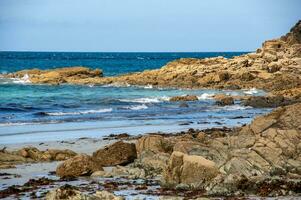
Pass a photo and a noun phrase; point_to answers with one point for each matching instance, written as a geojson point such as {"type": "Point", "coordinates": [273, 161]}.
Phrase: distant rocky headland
{"type": "Point", "coordinates": [273, 67]}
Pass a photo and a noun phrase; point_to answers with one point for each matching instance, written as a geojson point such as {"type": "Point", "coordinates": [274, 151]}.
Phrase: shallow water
{"type": "Point", "coordinates": [44, 112]}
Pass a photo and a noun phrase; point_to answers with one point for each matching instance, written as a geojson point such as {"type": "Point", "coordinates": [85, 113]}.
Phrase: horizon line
{"type": "Point", "coordinates": [25, 51]}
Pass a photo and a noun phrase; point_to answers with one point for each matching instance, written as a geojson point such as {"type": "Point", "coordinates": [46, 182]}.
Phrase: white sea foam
{"type": "Point", "coordinates": [80, 112]}
{"type": "Point", "coordinates": [149, 86]}
{"type": "Point", "coordinates": [91, 85]}
{"type": "Point", "coordinates": [206, 96]}
{"type": "Point", "coordinates": [116, 85]}
{"type": "Point", "coordinates": [236, 107]}
{"type": "Point", "coordinates": [251, 91]}
{"type": "Point", "coordinates": [146, 100]}
{"type": "Point", "coordinates": [23, 80]}
{"type": "Point", "coordinates": [137, 107]}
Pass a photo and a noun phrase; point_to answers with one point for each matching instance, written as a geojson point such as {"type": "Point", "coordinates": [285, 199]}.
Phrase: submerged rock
{"type": "Point", "coordinates": [80, 165]}
{"type": "Point", "coordinates": [119, 153]}
{"type": "Point", "coordinates": [184, 98]}
{"type": "Point", "coordinates": [225, 101]}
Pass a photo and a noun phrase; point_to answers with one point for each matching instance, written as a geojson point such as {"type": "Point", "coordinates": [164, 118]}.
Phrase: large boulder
{"type": "Point", "coordinates": [194, 171]}
{"type": "Point", "coordinates": [119, 153]}
{"type": "Point", "coordinates": [80, 165]}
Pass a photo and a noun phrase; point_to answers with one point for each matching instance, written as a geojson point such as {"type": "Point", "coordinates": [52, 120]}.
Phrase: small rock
{"type": "Point", "coordinates": [184, 98]}
{"type": "Point", "coordinates": [225, 101]}
{"type": "Point", "coordinates": [183, 105]}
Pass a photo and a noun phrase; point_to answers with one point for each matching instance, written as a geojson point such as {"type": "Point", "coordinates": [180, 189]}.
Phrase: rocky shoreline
{"type": "Point", "coordinates": [275, 67]}
{"type": "Point", "coordinates": [262, 158]}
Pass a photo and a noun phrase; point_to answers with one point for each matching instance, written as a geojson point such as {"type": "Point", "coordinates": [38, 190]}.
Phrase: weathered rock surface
{"type": "Point", "coordinates": [153, 143]}
{"type": "Point", "coordinates": [119, 153]}
{"type": "Point", "coordinates": [193, 171]}
{"type": "Point", "coordinates": [32, 154]}
{"type": "Point", "coordinates": [184, 98]}
{"type": "Point", "coordinates": [123, 172]}
{"type": "Point", "coordinates": [72, 193]}
{"type": "Point", "coordinates": [80, 165]}
{"type": "Point", "coordinates": [269, 147]}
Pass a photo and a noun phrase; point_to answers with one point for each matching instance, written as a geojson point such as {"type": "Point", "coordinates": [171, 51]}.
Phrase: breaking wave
{"type": "Point", "coordinates": [146, 100]}
{"type": "Point", "coordinates": [75, 113]}
{"type": "Point", "coordinates": [136, 107]}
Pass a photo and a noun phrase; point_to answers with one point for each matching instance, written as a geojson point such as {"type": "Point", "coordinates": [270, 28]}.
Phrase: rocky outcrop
{"type": "Point", "coordinates": [119, 153]}
{"type": "Point", "coordinates": [184, 98]}
{"type": "Point", "coordinates": [80, 165]}
{"type": "Point", "coordinates": [267, 148]}
{"type": "Point", "coordinates": [270, 101]}
{"type": "Point", "coordinates": [193, 171]}
{"type": "Point", "coordinates": [72, 75]}
{"type": "Point", "coordinates": [32, 154]}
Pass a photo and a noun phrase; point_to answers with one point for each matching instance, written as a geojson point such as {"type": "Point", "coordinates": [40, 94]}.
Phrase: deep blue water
{"type": "Point", "coordinates": [106, 106]}
{"type": "Point", "coordinates": [111, 63]}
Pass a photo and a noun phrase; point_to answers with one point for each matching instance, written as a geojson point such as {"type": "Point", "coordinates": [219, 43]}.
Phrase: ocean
{"type": "Point", "coordinates": [44, 112]}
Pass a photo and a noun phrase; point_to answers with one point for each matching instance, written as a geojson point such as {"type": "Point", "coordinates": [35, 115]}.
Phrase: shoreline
{"type": "Point", "coordinates": [261, 158]}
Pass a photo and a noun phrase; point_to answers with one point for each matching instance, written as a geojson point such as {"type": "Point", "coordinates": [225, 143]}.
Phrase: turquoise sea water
{"type": "Point", "coordinates": [36, 112]}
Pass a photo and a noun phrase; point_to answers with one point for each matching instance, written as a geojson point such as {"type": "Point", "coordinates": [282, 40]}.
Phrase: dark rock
{"type": "Point", "coordinates": [267, 102]}
{"type": "Point", "coordinates": [183, 105]}
{"type": "Point", "coordinates": [119, 153]}
{"type": "Point", "coordinates": [225, 101]}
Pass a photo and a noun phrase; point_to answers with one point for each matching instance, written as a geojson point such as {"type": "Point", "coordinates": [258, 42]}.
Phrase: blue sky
{"type": "Point", "coordinates": [140, 25]}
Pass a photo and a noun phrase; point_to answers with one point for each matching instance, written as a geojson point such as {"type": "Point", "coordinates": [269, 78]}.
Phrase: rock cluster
{"type": "Point", "coordinates": [267, 149]}
{"type": "Point", "coordinates": [119, 153]}
{"type": "Point", "coordinates": [32, 154]}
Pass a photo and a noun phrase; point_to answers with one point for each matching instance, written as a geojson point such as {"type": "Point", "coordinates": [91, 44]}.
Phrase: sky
{"type": "Point", "coordinates": [143, 25]}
